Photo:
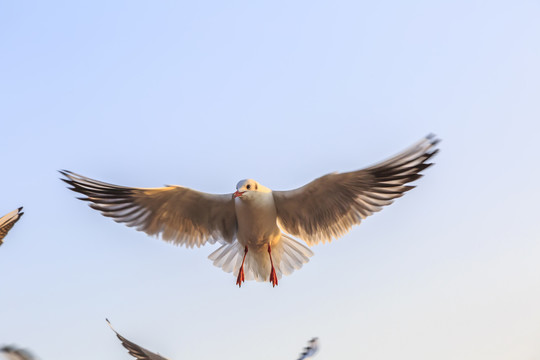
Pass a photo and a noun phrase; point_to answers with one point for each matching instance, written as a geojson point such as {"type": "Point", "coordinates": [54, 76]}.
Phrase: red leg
{"type": "Point", "coordinates": [240, 279]}
{"type": "Point", "coordinates": [273, 276]}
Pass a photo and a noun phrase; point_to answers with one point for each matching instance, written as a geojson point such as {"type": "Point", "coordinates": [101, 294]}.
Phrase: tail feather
{"type": "Point", "coordinates": [298, 251]}
{"type": "Point", "coordinates": [230, 261]}
{"type": "Point", "coordinates": [228, 257]}
{"type": "Point", "coordinates": [286, 267]}
{"type": "Point", "coordinates": [287, 254]}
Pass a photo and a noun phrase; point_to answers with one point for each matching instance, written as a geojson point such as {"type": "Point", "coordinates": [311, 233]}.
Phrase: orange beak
{"type": "Point", "coordinates": [237, 194]}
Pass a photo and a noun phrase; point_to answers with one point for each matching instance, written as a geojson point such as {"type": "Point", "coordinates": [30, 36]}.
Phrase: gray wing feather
{"type": "Point", "coordinates": [180, 215]}
{"type": "Point", "coordinates": [7, 222]}
{"type": "Point", "coordinates": [13, 353]}
{"type": "Point", "coordinates": [329, 206]}
{"type": "Point", "coordinates": [135, 350]}
{"type": "Point", "coordinates": [310, 350]}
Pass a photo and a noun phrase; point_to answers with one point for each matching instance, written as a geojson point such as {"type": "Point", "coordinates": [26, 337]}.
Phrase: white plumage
{"type": "Point", "coordinates": [256, 225]}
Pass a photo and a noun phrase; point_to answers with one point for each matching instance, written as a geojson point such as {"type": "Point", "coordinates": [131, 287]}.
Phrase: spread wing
{"type": "Point", "coordinates": [310, 350]}
{"type": "Point", "coordinates": [7, 222]}
{"type": "Point", "coordinates": [181, 215]}
{"type": "Point", "coordinates": [135, 350]}
{"type": "Point", "coordinates": [13, 353]}
{"type": "Point", "coordinates": [329, 206]}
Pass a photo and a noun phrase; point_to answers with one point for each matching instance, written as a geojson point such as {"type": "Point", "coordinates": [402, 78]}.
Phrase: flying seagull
{"type": "Point", "coordinates": [7, 222]}
{"type": "Point", "coordinates": [135, 350]}
{"type": "Point", "coordinates": [254, 224]}
{"type": "Point", "coordinates": [141, 353]}
{"type": "Point", "coordinates": [14, 353]}
{"type": "Point", "coordinates": [310, 350]}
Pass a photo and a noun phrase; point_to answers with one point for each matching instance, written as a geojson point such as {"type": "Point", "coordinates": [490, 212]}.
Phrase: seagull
{"type": "Point", "coordinates": [7, 222]}
{"type": "Point", "coordinates": [14, 353]}
{"type": "Point", "coordinates": [310, 350]}
{"type": "Point", "coordinates": [255, 225]}
{"type": "Point", "coordinates": [135, 350]}
{"type": "Point", "coordinates": [141, 353]}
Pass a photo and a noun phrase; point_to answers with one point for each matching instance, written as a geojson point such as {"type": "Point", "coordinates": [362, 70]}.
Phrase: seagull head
{"type": "Point", "coordinates": [246, 188]}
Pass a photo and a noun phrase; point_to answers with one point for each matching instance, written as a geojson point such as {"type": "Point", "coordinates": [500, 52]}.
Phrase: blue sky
{"type": "Point", "coordinates": [203, 94]}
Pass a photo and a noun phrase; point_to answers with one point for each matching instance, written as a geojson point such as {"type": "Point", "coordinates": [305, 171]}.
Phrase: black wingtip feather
{"type": "Point", "coordinates": [67, 181]}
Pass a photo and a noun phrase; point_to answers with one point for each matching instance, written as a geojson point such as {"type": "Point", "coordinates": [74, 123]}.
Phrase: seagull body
{"type": "Point", "coordinates": [254, 224]}
{"type": "Point", "coordinates": [256, 215]}
{"type": "Point", "coordinates": [257, 227]}
{"type": "Point", "coordinates": [7, 221]}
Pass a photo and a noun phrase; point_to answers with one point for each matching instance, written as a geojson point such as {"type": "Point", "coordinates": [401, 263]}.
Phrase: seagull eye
{"type": "Point", "coordinates": [248, 187]}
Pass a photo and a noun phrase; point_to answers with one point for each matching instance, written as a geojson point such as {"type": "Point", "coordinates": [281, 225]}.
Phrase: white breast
{"type": "Point", "coordinates": [256, 216]}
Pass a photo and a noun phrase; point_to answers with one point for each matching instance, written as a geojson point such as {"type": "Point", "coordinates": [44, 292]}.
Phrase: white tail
{"type": "Point", "coordinates": [288, 255]}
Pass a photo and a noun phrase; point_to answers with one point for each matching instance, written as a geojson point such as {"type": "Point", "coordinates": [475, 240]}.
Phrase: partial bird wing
{"type": "Point", "coordinates": [7, 222]}
{"type": "Point", "coordinates": [181, 215]}
{"type": "Point", "coordinates": [135, 350]}
{"type": "Point", "coordinates": [13, 353]}
{"type": "Point", "coordinates": [329, 206]}
{"type": "Point", "coordinates": [310, 350]}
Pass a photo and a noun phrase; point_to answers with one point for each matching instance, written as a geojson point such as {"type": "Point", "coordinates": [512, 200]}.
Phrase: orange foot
{"type": "Point", "coordinates": [273, 277]}
{"type": "Point", "coordinates": [240, 279]}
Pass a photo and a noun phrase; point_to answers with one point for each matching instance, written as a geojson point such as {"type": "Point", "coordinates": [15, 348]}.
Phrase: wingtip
{"type": "Point", "coordinates": [433, 153]}
{"type": "Point", "coordinates": [68, 174]}
{"type": "Point", "coordinates": [110, 325]}
{"type": "Point", "coordinates": [433, 139]}
{"type": "Point", "coordinates": [65, 175]}
{"type": "Point", "coordinates": [67, 181]}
